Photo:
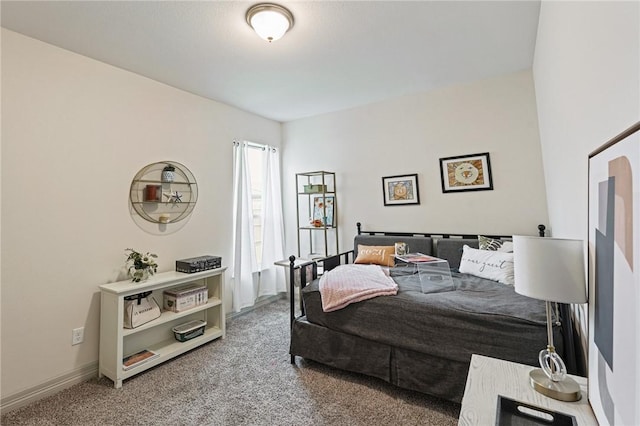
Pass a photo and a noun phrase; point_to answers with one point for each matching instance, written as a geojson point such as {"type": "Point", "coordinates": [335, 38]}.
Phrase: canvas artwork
{"type": "Point", "coordinates": [614, 280]}
{"type": "Point", "coordinates": [319, 209]}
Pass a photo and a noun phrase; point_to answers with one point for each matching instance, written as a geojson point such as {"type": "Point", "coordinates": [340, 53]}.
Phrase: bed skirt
{"type": "Point", "coordinates": [404, 368]}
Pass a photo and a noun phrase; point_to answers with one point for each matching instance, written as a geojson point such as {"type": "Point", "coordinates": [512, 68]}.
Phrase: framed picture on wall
{"type": "Point", "coordinates": [614, 279]}
{"type": "Point", "coordinates": [466, 173]}
{"type": "Point", "coordinates": [400, 190]}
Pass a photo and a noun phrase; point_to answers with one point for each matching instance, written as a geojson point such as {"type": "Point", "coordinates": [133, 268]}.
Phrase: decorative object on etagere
{"type": "Point", "coordinates": [173, 197]}
{"type": "Point", "coordinates": [176, 197]}
{"type": "Point", "coordinates": [551, 269]}
{"type": "Point", "coordinates": [140, 266]}
{"type": "Point", "coordinates": [152, 193]}
{"type": "Point", "coordinates": [168, 174]}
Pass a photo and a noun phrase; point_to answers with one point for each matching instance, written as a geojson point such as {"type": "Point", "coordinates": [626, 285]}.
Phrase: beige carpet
{"type": "Point", "coordinates": [245, 379]}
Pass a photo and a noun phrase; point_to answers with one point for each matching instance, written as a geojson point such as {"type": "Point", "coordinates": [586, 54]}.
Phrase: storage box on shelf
{"type": "Point", "coordinates": [117, 342]}
{"type": "Point", "coordinates": [189, 330]}
{"type": "Point", "coordinates": [197, 264]}
{"type": "Point", "coordinates": [184, 298]}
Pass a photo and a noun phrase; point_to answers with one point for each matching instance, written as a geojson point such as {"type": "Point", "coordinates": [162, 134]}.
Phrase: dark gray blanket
{"type": "Point", "coordinates": [475, 316]}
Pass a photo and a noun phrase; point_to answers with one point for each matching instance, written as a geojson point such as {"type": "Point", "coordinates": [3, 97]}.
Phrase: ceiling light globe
{"type": "Point", "coordinates": [269, 25]}
{"type": "Point", "coordinates": [269, 21]}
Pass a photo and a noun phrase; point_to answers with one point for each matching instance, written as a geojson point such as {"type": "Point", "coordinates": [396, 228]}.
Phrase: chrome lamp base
{"type": "Point", "coordinates": [566, 389]}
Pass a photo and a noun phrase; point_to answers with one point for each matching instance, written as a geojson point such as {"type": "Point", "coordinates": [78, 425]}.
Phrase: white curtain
{"type": "Point", "coordinates": [248, 285]}
{"type": "Point", "coordinates": [272, 280]}
{"type": "Point", "coordinates": [244, 259]}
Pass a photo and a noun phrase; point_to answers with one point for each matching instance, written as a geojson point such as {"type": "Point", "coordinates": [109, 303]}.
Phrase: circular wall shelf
{"type": "Point", "coordinates": [164, 192]}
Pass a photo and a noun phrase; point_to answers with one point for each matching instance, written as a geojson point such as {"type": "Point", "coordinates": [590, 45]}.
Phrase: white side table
{"type": "Point", "coordinates": [490, 377]}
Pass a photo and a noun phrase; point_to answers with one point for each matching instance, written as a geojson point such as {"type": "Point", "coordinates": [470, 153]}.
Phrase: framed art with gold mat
{"type": "Point", "coordinates": [466, 173]}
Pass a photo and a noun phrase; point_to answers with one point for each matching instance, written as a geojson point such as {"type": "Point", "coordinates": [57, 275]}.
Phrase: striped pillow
{"type": "Point", "coordinates": [491, 244]}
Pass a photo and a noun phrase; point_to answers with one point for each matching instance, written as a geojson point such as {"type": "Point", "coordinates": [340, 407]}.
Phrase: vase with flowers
{"type": "Point", "coordinates": [140, 266]}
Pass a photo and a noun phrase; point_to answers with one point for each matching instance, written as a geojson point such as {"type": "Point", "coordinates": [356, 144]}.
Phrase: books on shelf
{"type": "Point", "coordinates": [417, 258]}
{"type": "Point", "coordinates": [138, 358]}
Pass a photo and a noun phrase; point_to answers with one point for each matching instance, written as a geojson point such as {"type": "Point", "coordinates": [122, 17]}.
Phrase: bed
{"type": "Point", "coordinates": [418, 340]}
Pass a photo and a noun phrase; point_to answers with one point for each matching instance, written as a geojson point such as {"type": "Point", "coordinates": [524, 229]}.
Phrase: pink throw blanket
{"type": "Point", "coordinates": [351, 283]}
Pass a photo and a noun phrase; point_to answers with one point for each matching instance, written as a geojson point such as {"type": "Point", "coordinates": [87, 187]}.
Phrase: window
{"type": "Point", "coordinates": [256, 184]}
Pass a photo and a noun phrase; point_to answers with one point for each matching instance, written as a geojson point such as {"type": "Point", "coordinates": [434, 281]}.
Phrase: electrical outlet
{"type": "Point", "coordinates": [77, 336]}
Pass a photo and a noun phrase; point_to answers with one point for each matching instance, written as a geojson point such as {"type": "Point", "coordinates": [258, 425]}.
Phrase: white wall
{"type": "Point", "coordinates": [409, 135]}
{"type": "Point", "coordinates": [587, 83]}
{"type": "Point", "coordinates": [75, 132]}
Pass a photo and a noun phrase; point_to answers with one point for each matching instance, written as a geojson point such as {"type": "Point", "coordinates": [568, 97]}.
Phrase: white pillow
{"type": "Point", "coordinates": [506, 247]}
{"type": "Point", "coordinates": [492, 265]}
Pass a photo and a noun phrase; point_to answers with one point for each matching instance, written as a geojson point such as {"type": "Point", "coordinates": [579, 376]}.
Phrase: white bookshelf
{"type": "Point", "coordinates": [116, 342]}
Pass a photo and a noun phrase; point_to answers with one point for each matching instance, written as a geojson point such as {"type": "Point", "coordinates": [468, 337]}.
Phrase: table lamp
{"type": "Point", "coordinates": [550, 269]}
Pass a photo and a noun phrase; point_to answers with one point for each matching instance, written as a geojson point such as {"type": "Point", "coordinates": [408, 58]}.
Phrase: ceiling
{"type": "Point", "coordinates": [338, 55]}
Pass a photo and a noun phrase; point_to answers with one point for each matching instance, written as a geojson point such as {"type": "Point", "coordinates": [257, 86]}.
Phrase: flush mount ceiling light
{"type": "Point", "coordinates": [270, 21]}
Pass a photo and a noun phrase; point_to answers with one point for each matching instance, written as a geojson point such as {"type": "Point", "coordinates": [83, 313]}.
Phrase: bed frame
{"type": "Point", "coordinates": [305, 272]}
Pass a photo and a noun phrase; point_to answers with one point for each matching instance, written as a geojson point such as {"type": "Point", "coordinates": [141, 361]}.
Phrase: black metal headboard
{"type": "Point", "coordinates": [541, 230]}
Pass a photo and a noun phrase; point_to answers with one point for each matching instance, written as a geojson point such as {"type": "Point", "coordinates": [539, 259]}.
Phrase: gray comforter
{"type": "Point", "coordinates": [475, 316]}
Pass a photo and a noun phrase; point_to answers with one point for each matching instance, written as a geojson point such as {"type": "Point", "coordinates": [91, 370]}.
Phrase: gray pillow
{"type": "Point", "coordinates": [450, 249]}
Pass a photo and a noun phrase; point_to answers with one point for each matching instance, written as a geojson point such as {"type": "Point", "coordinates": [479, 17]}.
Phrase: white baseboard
{"type": "Point", "coordinates": [265, 300]}
{"type": "Point", "coordinates": [49, 387]}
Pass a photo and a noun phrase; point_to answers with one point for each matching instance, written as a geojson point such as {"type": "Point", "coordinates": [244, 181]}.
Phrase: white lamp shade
{"type": "Point", "coordinates": [550, 269]}
{"type": "Point", "coordinates": [269, 21]}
